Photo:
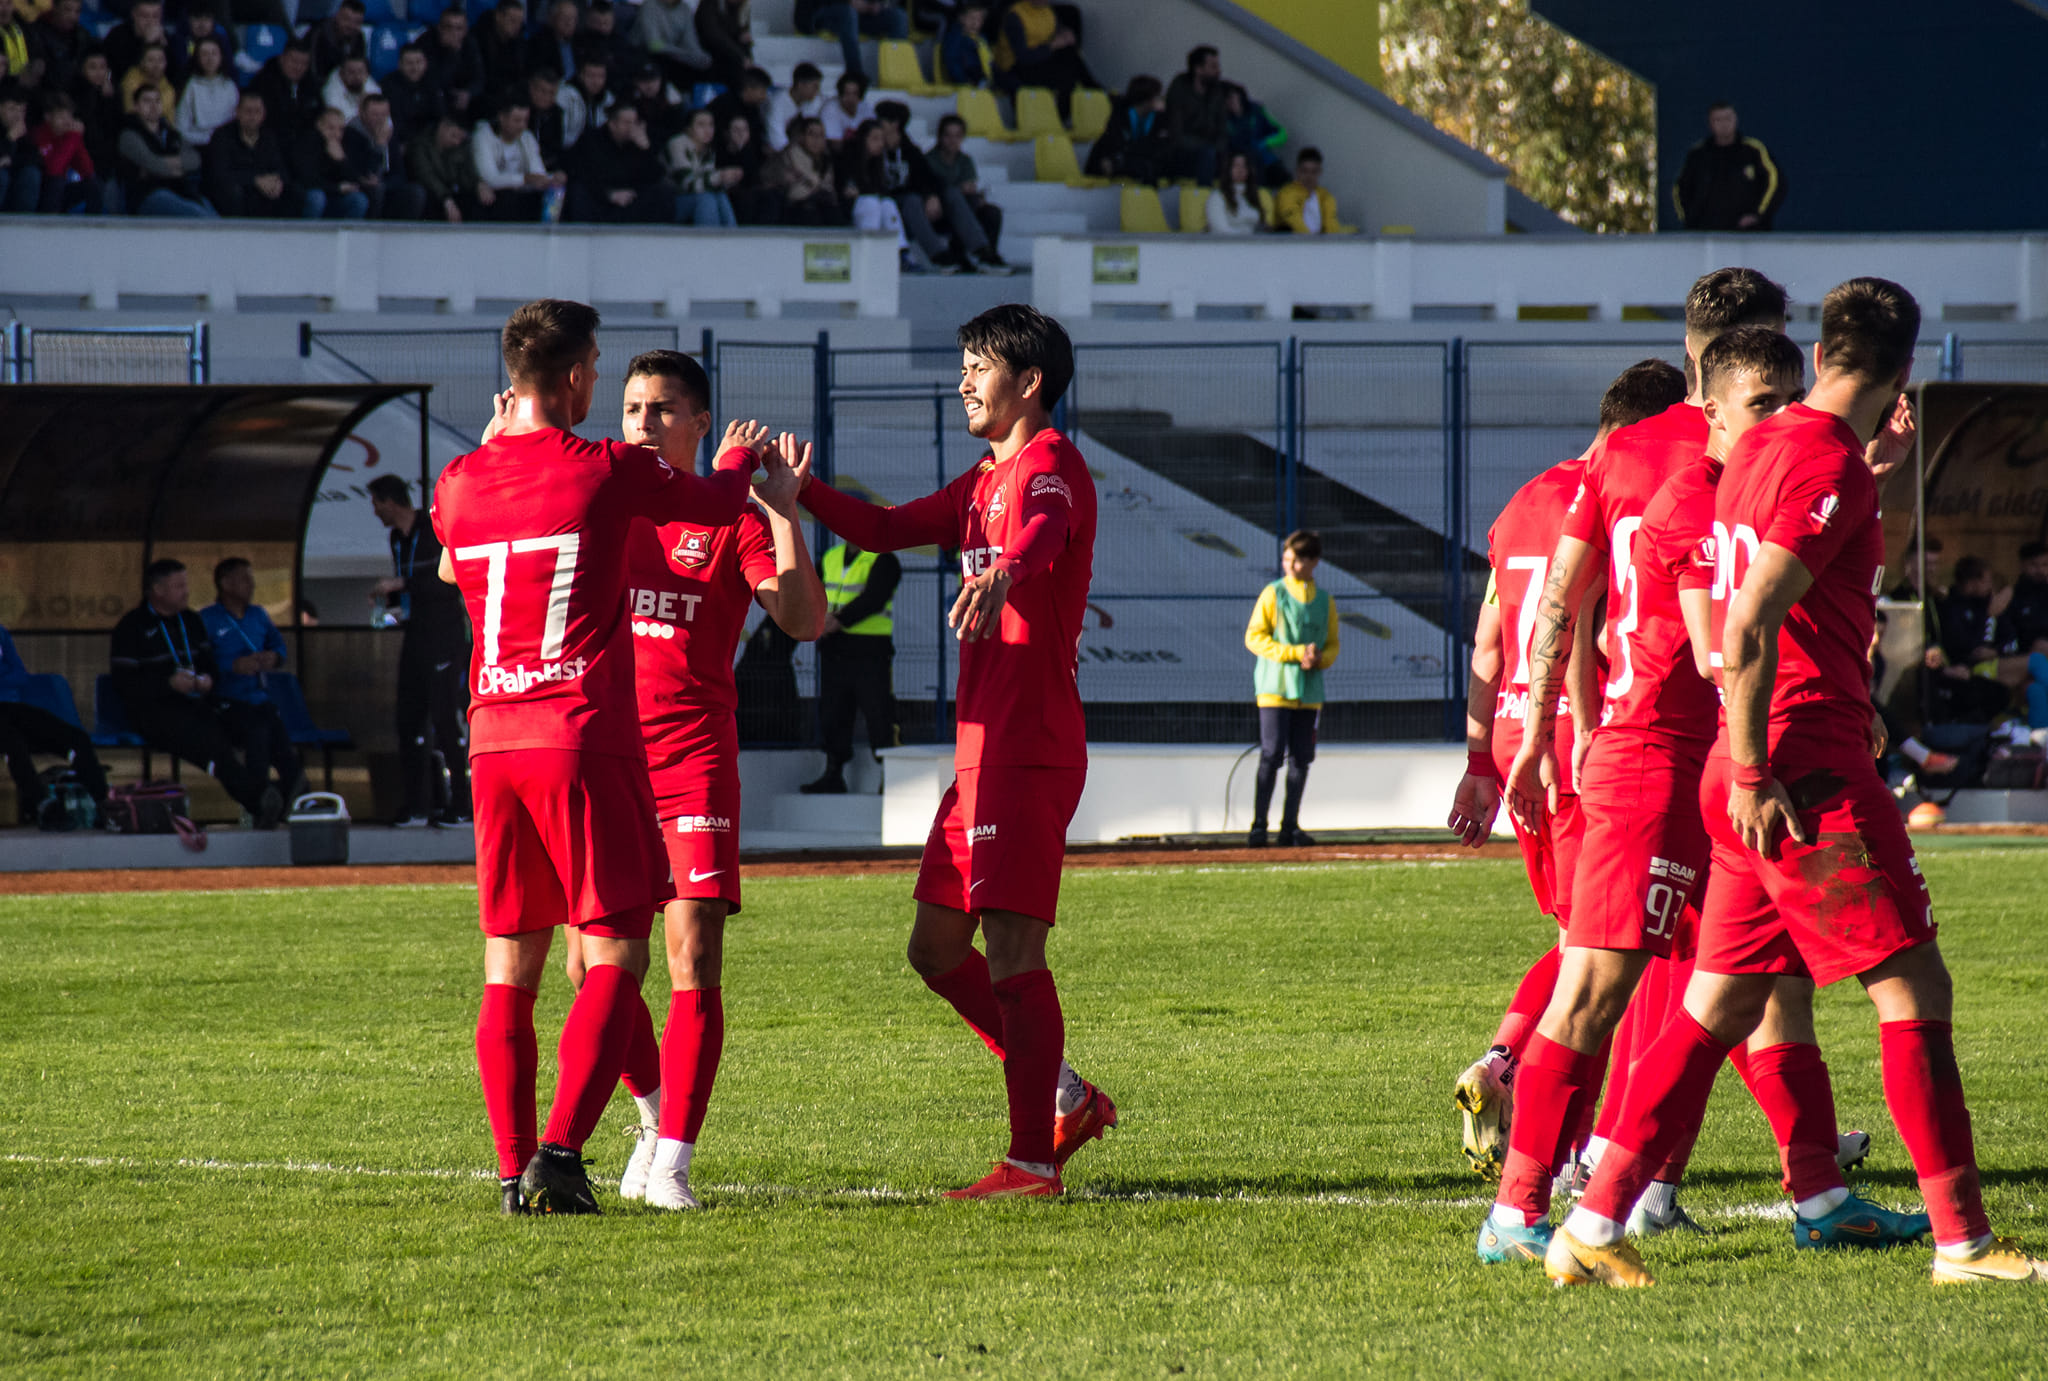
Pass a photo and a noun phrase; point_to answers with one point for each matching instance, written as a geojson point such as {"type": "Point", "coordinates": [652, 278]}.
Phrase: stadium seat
{"type": "Point", "coordinates": [1052, 160]}
{"type": "Point", "coordinates": [109, 719]}
{"type": "Point", "coordinates": [99, 23]}
{"type": "Point", "coordinates": [385, 41]}
{"type": "Point", "coordinates": [1090, 114]}
{"type": "Point", "coordinates": [51, 692]}
{"type": "Point", "coordinates": [899, 69]}
{"type": "Point", "coordinates": [260, 43]}
{"type": "Point", "coordinates": [379, 12]}
{"type": "Point", "coordinates": [290, 699]}
{"type": "Point", "coordinates": [1139, 212]}
{"type": "Point", "coordinates": [1194, 210]}
{"type": "Point", "coordinates": [1038, 112]}
{"type": "Point", "coordinates": [977, 106]}
{"type": "Point", "coordinates": [704, 93]}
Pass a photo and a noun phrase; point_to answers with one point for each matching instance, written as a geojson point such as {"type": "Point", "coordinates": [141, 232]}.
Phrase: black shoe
{"type": "Point", "coordinates": [1295, 839]}
{"type": "Point", "coordinates": [831, 784]}
{"type": "Point", "coordinates": [554, 1182]}
{"type": "Point", "coordinates": [994, 263]}
{"type": "Point", "coordinates": [411, 822]}
{"type": "Point", "coordinates": [1257, 838]}
{"type": "Point", "coordinates": [449, 820]}
{"type": "Point", "coordinates": [511, 1201]}
{"type": "Point", "coordinates": [270, 809]}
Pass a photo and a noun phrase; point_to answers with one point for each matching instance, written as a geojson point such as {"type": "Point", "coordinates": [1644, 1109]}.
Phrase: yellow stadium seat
{"type": "Point", "coordinates": [1194, 210]}
{"type": "Point", "coordinates": [1269, 208]}
{"type": "Point", "coordinates": [899, 69]}
{"type": "Point", "coordinates": [1052, 160]}
{"type": "Point", "coordinates": [1090, 114]}
{"type": "Point", "coordinates": [1139, 212]}
{"type": "Point", "coordinates": [1038, 112]}
{"type": "Point", "coordinates": [977, 106]}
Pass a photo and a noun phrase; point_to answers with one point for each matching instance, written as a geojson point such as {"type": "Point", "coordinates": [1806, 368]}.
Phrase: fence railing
{"type": "Point", "coordinates": [105, 355]}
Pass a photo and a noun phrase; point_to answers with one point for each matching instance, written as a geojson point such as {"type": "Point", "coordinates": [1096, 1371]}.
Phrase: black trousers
{"type": "Point", "coordinates": [433, 684]}
{"type": "Point", "coordinates": [196, 732]}
{"type": "Point", "coordinates": [26, 731]}
{"type": "Point", "coordinates": [1289, 736]}
{"type": "Point", "coordinates": [266, 745]}
{"type": "Point", "coordinates": [854, 677]}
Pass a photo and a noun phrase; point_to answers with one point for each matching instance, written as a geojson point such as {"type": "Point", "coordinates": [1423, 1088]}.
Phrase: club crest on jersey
{"type": "Point", "coordinates": [693, 549]}
{"type": "Point", "coordinates": [1824, 511]}
{"type": "Point", "coordinates": [995, 505]}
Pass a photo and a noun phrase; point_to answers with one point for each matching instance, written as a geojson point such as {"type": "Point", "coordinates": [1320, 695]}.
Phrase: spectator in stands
{"type": "Point", "coordinates": [330, 185]}
{"type": "Point", "coordinates": [202, 23]}
{"type": "Point", "coordinates": [1968, 616]}
{"type": "Point", "coordinates": [856, 657]}
{"type": "Point", "coordinates": [964, 55]}
{"type": "Point", "coordinates": [960, 183]}
{"type": "Point", "coordinates": [503, 46]}
{"type": "Point", "coordinates": [615, 175]}
{"type": "Point", "coordinates": [1256, 134]}
{"type": "Point", "coordinates": [446, 171]}
{"type": "Point", "coordinates": [514, 180]}
{"type": "Point", "coordinates": [748, 100]}
{"type": "Point", "coordinates": [805, 96]}
{"type": "Point", "coordinates": [847, 20]}
{"type": "Point", "coordinates": [433, 661]}
{"type": "Point", "coordinates": [862, 170]}
{"type": "Point", "coordinates": [548, 121]}
{"type": "Point", "coordinates": [457, 65]}
{"type": "Point", "coordinates": [660, 105]}
{"type": "Point", "coordinates": [416, 99]}
{"type": "Point", "coordinates": [148, 71]}
{"type": "Point", "coordinates": [143, 27]}
{"type": "Point", "coordinates": [259, 12]}
{"type": "Point", "coordinates": [587, 102]}
{"type": "Point", "coordinates": [1198, 116]}
{"type": "Point", "coordinates": [1304, 205]}
{"type": "Point", "coordinates": [70, 178]}
{"type": "Point", "coordinates": [666, 31]}
{"type": "Point", "coordinates": [21, 164]}
{"type": "Point", "coordinates": [700, 184]}
{"type": "Point", "coordinates": [601, 40]}
{"type": "Point", "coordinates": [725, 28]}
{"type": "Point", "coordinates": [1233, 207]}
{"type": "Point", "coordinates": [753, 201]}
{"type": "Point", "coordinates": [62, 41]}
{"type": "Point", "coordinates": [98, 104]}
{"type": "Point", "coordinates": [2023, 626]}
{"type": "Point", "coordinates": [1137, 143]}
{"type": "Point", "coordinates": [210, 95]}
{"type": "Point", "coordinates": [802, 175]}
{"type": "Point", "coordinates": [291, 96]}
{"type": "Point", "coordinates": [20, 58]}
{"type": "Point", "coordinates": [379, 158]}
{"type": "Point", "coordinates": [163, 672]}
{"type": "Point", "coordinates": [849, 108]}
{"type": "Point", "coordinates": [246, 170]}
{"type": "Point", "coordinates": [911, 184]}
{"type": "Point", "coordinates": [338, 38]}
{"type": "Point", "coordinates": [1729, 181]}
{"type": "Point", "coordinates": [346, 86]}
{"type": "Point", "coordinates": [1035, 47]}
{"type": "Point", "coordinates": [26, 730]}
{"type": "Point", "coordinates": [247, 647]}
{"type": "Point", "coordinates": [159, 174]}
{"type": "Point", "coordinates": [553, 45]}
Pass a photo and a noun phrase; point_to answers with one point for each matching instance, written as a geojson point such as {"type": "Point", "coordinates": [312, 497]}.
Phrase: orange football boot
{"type": "Point", "coordinates": [1006, 1181]}
{"type": "Point", "coordinates": [1070, 1133]}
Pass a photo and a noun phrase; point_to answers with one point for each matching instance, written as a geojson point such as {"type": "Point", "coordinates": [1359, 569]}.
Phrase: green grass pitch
{"type": "Point", "coordinates": [243, 1137]}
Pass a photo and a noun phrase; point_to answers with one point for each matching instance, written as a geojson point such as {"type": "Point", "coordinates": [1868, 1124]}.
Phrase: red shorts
{"type": "Point", "coordinates": [1551, 856]}
{"type": "Point", "coordinates": [999, 840]}
{"type": "Point", "coordinates": [566, 838]}
{"type": "Point", "coordinates": [697, 795]}
{"type": "Point", "coordinates": [1638, 868]}
{"type": "Point", "coordinates": [1839, 906]}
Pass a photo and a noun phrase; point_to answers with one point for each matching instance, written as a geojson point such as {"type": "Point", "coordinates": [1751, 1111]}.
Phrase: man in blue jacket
{"type": "Point", "coordinates": [248, 647]}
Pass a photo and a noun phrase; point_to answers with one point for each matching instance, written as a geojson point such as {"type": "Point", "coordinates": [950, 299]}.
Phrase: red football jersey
{"type": "Point", "coordinates": [1018, 704]}
{"type": "Point", "coordinates": [1518, 547]}
{"type": "Point", "coordinates": [1666, 701]}
{"type": "Point", "coordinates": [689, 588]}
{"type": "Point", "coordinates": [536, 527]}
{"type": "Point", "coordinates": [1799, 481]}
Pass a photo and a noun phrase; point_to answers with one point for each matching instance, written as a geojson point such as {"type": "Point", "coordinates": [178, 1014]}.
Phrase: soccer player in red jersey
{"type": "Point", "coordinates": [1813, 872]}
{"type": "Point", "coordinates": [1023, 521]}
{"type": "Point", "coordinates": [690, 588]}
{"type": "Point", "coordinates": [534, 524]}
{"type": "Point", "coordinates": [1518, 550]}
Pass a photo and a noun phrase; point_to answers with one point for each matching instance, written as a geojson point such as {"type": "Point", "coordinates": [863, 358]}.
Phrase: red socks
{"type": "Point", "coordinates": [592, 1051]}
{"type": "Point", "coordinates": [1790, 1083]}
{"type": "Point", "coordinates": [691, 1044]}
{"type": "Point", "coordinates": [1035, 1035]}
{"type": "Point", "coordinates": [1666, 1098]}
{"type": "Point", "coordinates": [642, 1071]}
{"type": "Point", "coordinates": [1924, 1090]}
{"type": "Point", "coordinates": [968, 988]}
{"type": "Point", "coordinates": [507, 1059]}
{"type": "Point", "coordinates": [1525, 1009]}
{"type": "Point", "coordinates": [1550, 1093]}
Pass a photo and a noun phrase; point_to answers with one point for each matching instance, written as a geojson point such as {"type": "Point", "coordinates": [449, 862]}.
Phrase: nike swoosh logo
{"type": "Point", "coordinates": [696, 876]}
{"type": "Point", "coordinates": [1866, 1228]}
{"type": "Point", "coordinates": [974, 884]}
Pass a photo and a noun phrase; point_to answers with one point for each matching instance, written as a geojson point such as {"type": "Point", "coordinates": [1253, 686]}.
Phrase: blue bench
{"type": "Point", "coordinates": [290, 698]}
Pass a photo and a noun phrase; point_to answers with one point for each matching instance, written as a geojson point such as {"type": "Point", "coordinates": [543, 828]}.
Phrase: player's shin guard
{"type": "Point", "coordinates": [1525, 1008]}
{"type": "Point", "coordinates": [973, 996]}
{"type": "Point", "coordinates": [642, 1071]}
{"type": "Point", "coordinates": [1924, 1090]}
{"type": "Point", "coordinates": [1549, 1100]}
{"type": "Point", "coordinates": [1666, 1098]}
{"type": "Point", "coordinates": [691, 1045]}
{"type": "Point", "coordinates": [507, 1059]}
{"type": "Point", "coordinates": [593, 1047]}
{"type": "Point", "coordinates": [1790, 1083]}
{"type": "Point", "coordinates": [1035, 1035]}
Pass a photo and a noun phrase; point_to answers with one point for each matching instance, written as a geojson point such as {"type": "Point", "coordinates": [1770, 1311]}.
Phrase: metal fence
{"type": "Point", "coordinates": [111, 355]}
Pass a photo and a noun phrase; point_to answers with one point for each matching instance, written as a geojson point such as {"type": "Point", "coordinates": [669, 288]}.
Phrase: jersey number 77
{"type": "Point", "coordinates": [554, 622]}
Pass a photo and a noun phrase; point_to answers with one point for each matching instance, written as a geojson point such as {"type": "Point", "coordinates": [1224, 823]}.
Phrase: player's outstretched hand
{"type": "Point", "coordinates": [501, 414]}
{"type": "Point", "coordinates": [1757, 815]}
{"type": "Point", "coordinates": [749, 436]}
{"type": "Point", "coordinates": [978, 612]}
{"type": "Point", "coordinates": [785, 465]}
{"type": "Point", "coordinates": [1473, 808]}
{"type": "Point", "coordinates": [1888, 450]}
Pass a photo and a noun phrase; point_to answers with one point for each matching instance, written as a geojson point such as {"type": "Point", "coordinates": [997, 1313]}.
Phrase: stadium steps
{"type": "Point", "coordinates": [1399, 557]}
{"type": "Point", "coordinates": [796, 821]}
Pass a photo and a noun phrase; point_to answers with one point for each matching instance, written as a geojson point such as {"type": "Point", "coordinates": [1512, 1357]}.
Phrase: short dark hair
{"type": "Point", "coordinates": [372, 98]}
{"type": "Point", "coordinates": [454, 12]}
{"type": "Point", "coordinates": [227, 566]}
{"type": "Point", "coordinates": [673, 364]}
{"type": "Point", "coordinates": [858, 79]}
{"type": "Point", "coordinates": [355, 5]}
{"type": "Point", "coordinates": [546, 338]}
{"type": "Point", "coordinates": [391, 489]}
{"type": "Point", "coordinates": [544, 74]}
{"type": "Point", "coordinates": [1868, 327]}
{"type": "Point", "coordinates": [1731, 297]}
{"type": "Point", "coordinates": [297, 45]}
{"type": "Point", "coordinates": [1305, 544]}
{"type": "Point", "coordinates": [505, 5]}
{"type": "Point", "coordinates": [58, 103]}
{"type": "Point", "coordinates": [1644, 389]}
{"type": "Point", "coordinates": [893, 113]}
{"type": "Point", "coordinates": [805, 72]}
{"type": "Point", "coordinates": [2030, 551]}
{"type": "Point", "coordinates": [160, 570]}
{"type": "Point", "coordinates": [946, 122]}
{"type": "Point", "coordinates": [1969, 568]}
{"type": "Point", "coordinates": [413, 47]}
{"type": "Point", "coordinates": [1311, 154]}
{"type": "Point", "coordinates": [1720, 105]}
{"type": "Point", "coordinates": [1200, 54]}
{"type": "Point", "coordinates": [251, 94]}
{"type": "Point", "coordinates": [800, 125]}
{"type": "Point", "coordinates": [1020, 338]}
{"type": "Point", "coordinates": [754, 76]}
{"type": "Point", "coordinates": [512, 100]}
{"type": "Point", "coordinates": [1749, 350]}
{"type": "Point", "coordinates": [1143, 90]}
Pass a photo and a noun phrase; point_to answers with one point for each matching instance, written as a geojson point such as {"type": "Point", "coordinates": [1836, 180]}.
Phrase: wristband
{"type": "Point", "coordinates": [1481, 765]}
{"type": "Point", "coordinates": [1755, 777]}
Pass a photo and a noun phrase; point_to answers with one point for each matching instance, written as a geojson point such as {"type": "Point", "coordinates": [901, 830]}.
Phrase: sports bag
{"type": "Point", "coordinates": [155, 808]}
{"type": "Point", "coordinates": [2016, 769]}
{"type": "Point", "coordinates": [65, 804]}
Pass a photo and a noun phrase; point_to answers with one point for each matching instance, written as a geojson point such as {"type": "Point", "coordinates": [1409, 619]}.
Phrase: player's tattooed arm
{"type": "Point", "coordinates": [1534, 780]}
{"type": "Point", "coordinates": [1757, 804]}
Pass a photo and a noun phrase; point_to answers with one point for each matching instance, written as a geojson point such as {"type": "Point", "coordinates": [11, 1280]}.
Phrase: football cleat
{"type": "Point", "coordinates": [1851, 1150]}
{"type": "Point", "coordinates": [1485, 1095]}
{"type": "Point", "coordinates": [554, 1182]}
{"type": "Point", "coordinates": [1076, 1129]}
{"type": "Point", "coordinates": [1643, 1224]}
{"type": "Point", "coordinates": [633, 1181]}
{"type": "Point", "coordinates": [1498, 1244]}
{"type": "Point", "coordinates": [510, 1201]}
{"type": "Point", "coordinates": [2001, 1259]}
{"type": "Point", "coordinates": [1006, 1181]}
{"type": "Point", "coordinates": [1572, 1262]}
{"type": "Point", "coordinates": [1859, 1223]}
{"type": "Point", "coordinates": [670, 1189]}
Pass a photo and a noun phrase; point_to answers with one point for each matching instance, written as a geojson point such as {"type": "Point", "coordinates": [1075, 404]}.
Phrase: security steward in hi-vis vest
{"type": "Point", "coordinates": [1293, 633]}
{"type": "Point", "coordinates": [855, 655]}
